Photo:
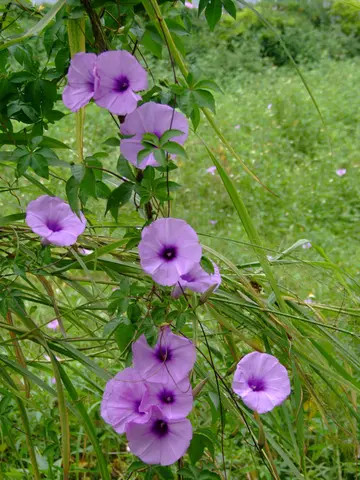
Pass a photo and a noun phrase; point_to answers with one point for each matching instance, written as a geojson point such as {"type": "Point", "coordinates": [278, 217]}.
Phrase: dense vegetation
{"type": "Point", "coordinates": [295, 144]}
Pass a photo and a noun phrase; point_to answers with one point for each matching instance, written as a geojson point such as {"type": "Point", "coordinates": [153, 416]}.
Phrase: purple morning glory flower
{"type": "Point", "coordinates": [81, 81]}
{"type": "Point", "coordinates": [118, 76]}
{"type": "Point", "coordinates": [341, 172]}
{"type": "Point", "coordinates": [122, 400]}
{"type": "Point", "coordinates": [211, 170]}
{"type": "Point", "coordinates": [190, 5]}
{"type": "Point", "coordinates": [54, 221]}
{"type": "Point", "coordinates": [169, 248]}
{"type": "Point", "coordinates": [150, 118]}
{"type": "Point", "coordinates": [261, 381]}
{"type": "Point", "coordinates": [173, 356]}
{"type": "Point", "coordinates": [197, 280]}
{"type": "Point", "coordinates": [160, 440]}
{"type": "Point", "coordinates": [175, 400]}
{"type": "Point", "coordinates": [53, 325]}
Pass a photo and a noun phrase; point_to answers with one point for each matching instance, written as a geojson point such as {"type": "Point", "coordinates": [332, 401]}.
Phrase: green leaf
{"type": "Point", "coordinates": [112, 142]}
{"type": "Point", "coordinates": [196, 448]}
{"type": "Point", "coordinates": [40, 165]}
{"type": "Point", "coordinates": [124, 335]}
{"type": "Point", "coordinates": [118, 198]}
{"type": "Point", "coordinates": [160, 156]}
{"type": "Point", "coordinates": [150, 138]}
{"type": "Point", "coordinates": [23, 163]}
{"type": "Point", "coordinates": [102, 190]}
{"type": "Point", "coordinates": [152, 41]}
{"type": "Point", "coordinates": [87, 184]}
{"type": "Point", "coordinates": [72, 193]}
{"type": "Point", "coordinates": [166, 136]}
{"type": "Point", "coordinates": [124, 168]}
{"type": "Point", "coordinates": [230, 7]}
{"type": "Point", "coordinates": [143, 154]}
{"type": "Point", "coordinates": [61, 59]}
{"type": "Point", "coordinates": [204, 99]}
{"type": "Point", "coordinates": [175, 149]}
{"type": "Point", "coordinates": [78, 172]}
{"type": "Point", "coordinates": [195, 117]}
{"type": "Point", "coordinates": [213, 13]}
{"type": "Point", "coordinates": [208, 85]}
{"type": "Point", "coordinates": [202, 5]}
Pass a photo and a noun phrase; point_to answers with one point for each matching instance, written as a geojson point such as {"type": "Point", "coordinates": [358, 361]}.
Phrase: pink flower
{"type": "Point", "coordinates": [150, 118]}
{"type": "Point", "coordinates": [341, 172]}
{"type": "Point", "coordinates": [189, 5]}
{"type": "Point", "coordinates": [197, 280]}
{"type": "Point", "coordinates": [237, 127]}
{"type": "Point", "coordinates": [53, 380]}
{"type": "Point", "coordinates": [261, 381]}
{"type": "Point", "coordinates": [172, 356]}
{"type": "Point", "coordinates": [54, 221]}
{"type": "Point", "coordinates": [169, 248]}
{"type": "Point", "coordinates": [53, 325]}
{"type": "Point", "coordinates": [213, 222]}
{"type": "Point", "coordinates": [118, 76]}
{"type": "Point", "coordinates": [122, 400]}
{"type": "Point", "coordinates": [85, 251]}
{"type": "Point", "coordinates": [306, 245]}
{"type": "Point", "coordinates": [211, 170]}
{"type": "Point", "coordinates": [175, 400]}
{"type": "Point", "coordinates": [81, 81]}
{"type": "Point", "coordinates": [160, 440]}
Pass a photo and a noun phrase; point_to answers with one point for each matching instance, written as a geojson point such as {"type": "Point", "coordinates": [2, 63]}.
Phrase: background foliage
{"type": "Point", "coordinates": [51, 386]}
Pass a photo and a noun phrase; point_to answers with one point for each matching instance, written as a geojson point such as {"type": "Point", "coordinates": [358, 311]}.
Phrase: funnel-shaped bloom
{"type": "Point", "coordinates": [169, 248]}
{"type": "Point", "coordinates": [173, 356]}
{"type": "Point", "coordinates": [81, 81]}
{"type": "Point", "coordinates": [53, 325]}
{"type": "Point", "coordinates": [119, 75]}
{"type": "Point", "coordinates": [175, 400]}
{"type": "Point", "coordinates": [197, 280]}
{"type": "Point", "coordinates": [160, 440]}
{"type": "Point", "coordinates": [122, 399]}
{"type": "Point", "coordinates": [54, 221]}
{"type": "Point", "coordinates": [261, 381]}
{"type": "Point", "coordinates": [150, 118]}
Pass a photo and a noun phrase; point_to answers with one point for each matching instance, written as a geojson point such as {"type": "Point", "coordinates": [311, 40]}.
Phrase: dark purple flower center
{"type": "Point", "coordinates": [256, 384]}
{"type": "Point", "coordinates": [122, 84]}
{"type": "Point", "coordinates": [166, 396]}
{"type": "Point", "coordinates": [160, 428]}
{"type": "Point", "coordinates": [188, 278]}
{"type": "Point", "coordinates": [163, 354]}
{"type": "Point", "coordinates": [168, 253]}
{"type": "Point", "coordinates": [53, 225]}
